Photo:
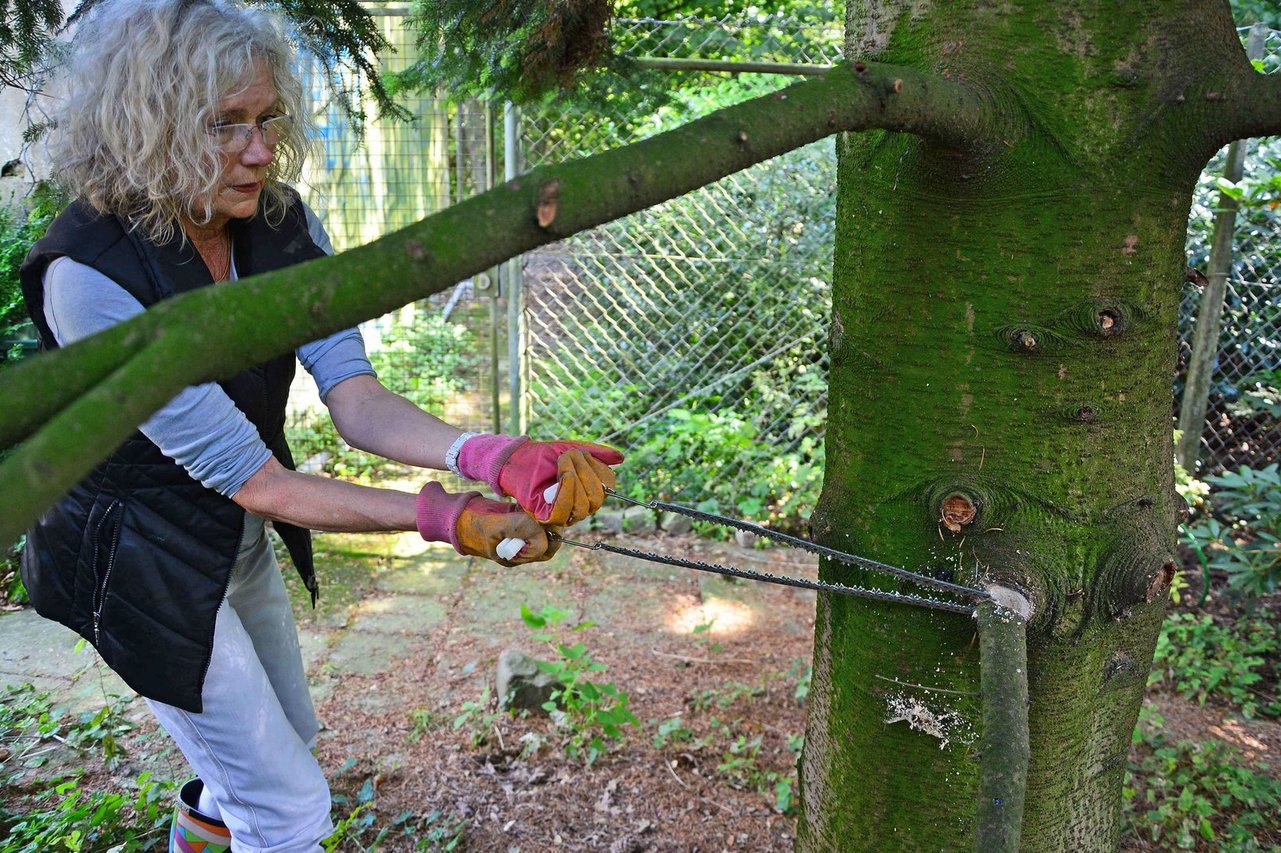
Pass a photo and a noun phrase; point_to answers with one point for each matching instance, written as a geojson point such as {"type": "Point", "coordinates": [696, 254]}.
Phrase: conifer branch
{"type": "Point", "coordinates": [92, 395]}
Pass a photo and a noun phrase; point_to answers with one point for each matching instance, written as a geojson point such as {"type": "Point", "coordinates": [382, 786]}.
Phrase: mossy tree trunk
{"type": "Point", "coordinates": [1008, 266]}
{"type": "Point", "coordinates": [1003, 344]}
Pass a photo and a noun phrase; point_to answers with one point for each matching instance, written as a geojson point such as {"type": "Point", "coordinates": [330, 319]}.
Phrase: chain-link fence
{"type": "Point", "coordinates": [1243, 408]}
{"type": "Point", "coordinates": [363, 185]}
{"type": "Point", "coordinates": [692, 333]}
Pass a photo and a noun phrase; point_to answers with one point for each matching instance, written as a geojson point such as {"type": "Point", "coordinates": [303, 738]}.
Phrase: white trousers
{"type": "Point", "coordinates": [252, 742]}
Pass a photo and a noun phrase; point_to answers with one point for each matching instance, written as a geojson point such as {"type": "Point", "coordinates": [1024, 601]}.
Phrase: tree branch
{"type": "Point", "coordinates": [1004, 748]}
{"type": "Point", "coordinates": [1256, 98]}
{"type": "Point", "coordinates": [1260, 107]}
{"type": "Point", "coordinates": [123, 376]}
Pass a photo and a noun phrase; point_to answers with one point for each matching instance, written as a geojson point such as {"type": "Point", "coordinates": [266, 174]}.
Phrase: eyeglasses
{"type": "Point", "coordinates": [234, 138]}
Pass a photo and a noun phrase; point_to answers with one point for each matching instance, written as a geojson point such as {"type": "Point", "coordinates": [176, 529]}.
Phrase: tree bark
{"type": "Point", "coordinates": [1002, 342]}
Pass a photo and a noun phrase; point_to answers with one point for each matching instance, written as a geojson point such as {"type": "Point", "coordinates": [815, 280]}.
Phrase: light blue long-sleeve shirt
{"type": "Point", "coordinates": [201, 429]}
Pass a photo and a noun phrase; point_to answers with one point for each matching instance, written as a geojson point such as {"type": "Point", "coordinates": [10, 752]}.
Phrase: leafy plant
{"type": "Point", "coordinates": [477, 718]}
{"type": "Point", "coordinates": [1243, 536]}
{"type": "Point", "coordinates": [67, 817]}
{"type": "Point", "coordinates": [18, 232]}
{"type": "Point", "coordinates": [435, 830]}
{"type": "Point", "coordinates": [426, 362]}
{"type": "Point", "coordinates": [589, 713]}
{"type": "Point", "coordinates": [671, 732]}
{"type": "Point", "coordinates": [1197, 795]}
{"type": "Point", "coordinates": [1199, 658]}
{"type": "Point", "coordinates": [32, 728]}
{"type": "Point", "coordinates": [12, 590]}
{"type": "Point", "coordinates": [801, 673]}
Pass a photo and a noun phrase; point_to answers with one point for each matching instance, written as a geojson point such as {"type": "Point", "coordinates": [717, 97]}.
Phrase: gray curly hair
{"type": "Point", "coordinates": [143, 86]}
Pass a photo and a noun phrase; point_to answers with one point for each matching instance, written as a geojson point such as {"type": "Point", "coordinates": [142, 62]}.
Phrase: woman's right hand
{"type": "Point", "coordinates": [477, 526]}
{"type": "Point", "coordinates": [484, 525]}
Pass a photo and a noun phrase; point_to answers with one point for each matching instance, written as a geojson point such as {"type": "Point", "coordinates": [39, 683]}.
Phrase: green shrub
{"type": "Point", "coordinates": [64, 815]}
{"type": "Point", "coordinates": [587, 712]}
{"type": "Point", "coordinates": [18, 231]}
{"type": "Point", "coordinates": [1188, 796]}
{"type": "Point", "coordinates": [1243, 536]}
{"type": "Point", "coordinates": [12, 590]}
{"type": "Point", "coordinates": [1199, 658]}
{"type": "Point", "coordinates": [427, 362]}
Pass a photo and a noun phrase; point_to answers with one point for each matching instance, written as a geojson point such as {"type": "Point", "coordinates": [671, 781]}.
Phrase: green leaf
{"type": "Point", "coordinates": [533, 620]}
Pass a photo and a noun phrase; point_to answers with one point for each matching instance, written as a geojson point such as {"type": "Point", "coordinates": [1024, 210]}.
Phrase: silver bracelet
{"type": "Point", "coordinates": [451, 455]}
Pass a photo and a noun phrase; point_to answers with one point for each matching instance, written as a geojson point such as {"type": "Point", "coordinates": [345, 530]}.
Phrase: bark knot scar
{"type": "Point", "coordinates": [958, 511]}
{"type": "Point", "coordinates": [1109, 323]}
{"type": "Point", "coordinates": [1159, 586]}
{"type": "Point", "coordinates": [416, 251]}
{"type": "Point", "coordinates": [548, 202]}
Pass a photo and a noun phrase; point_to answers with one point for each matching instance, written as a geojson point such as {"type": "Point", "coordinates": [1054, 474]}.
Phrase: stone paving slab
{"type": "Point", "coordinates": [34, 650]}
{"type": "Point", "coordinates": [424, 588]}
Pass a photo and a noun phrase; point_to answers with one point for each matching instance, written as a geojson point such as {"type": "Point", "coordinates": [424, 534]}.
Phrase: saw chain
{"type": "Point", "coordinates": [968, 593]}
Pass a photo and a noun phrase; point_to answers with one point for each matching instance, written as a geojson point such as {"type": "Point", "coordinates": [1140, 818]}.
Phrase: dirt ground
{"type": "Point", "coordinates": [736, 678]}
{"type": "Point", "coordinates": [404, 644]}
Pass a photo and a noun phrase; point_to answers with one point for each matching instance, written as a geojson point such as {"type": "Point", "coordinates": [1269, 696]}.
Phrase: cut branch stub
{"type": "Point", "coordinates": [958, 512]}
{"type": "Point", "coordinates": [1109, 323]}
{"type": "Point", "coordinates": [1159, 583]}
{"type": "Point", "coordinates": [548, 203]}
{"type": "Point", "coordinates": [1085, 413]}
{"type": "Point", "coordinates": [1022, 340]}
{"type": "Point", "coordinates": [416, 251]}
{"type": "Point", "coordinates": [1105, 318]}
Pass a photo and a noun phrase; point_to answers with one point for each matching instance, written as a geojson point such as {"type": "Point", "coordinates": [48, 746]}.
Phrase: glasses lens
{"type": "Point", "coordinates": [275, 129]}
{"type": "Point", "coordinates": [230, 138]}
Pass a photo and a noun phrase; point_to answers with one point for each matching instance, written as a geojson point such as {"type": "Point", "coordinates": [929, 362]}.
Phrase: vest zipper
{"type": "Point", "coordinates": [100, 592]}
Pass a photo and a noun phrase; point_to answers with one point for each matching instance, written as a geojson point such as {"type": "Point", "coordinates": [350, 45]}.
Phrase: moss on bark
{"type": "Point", "coordinates": [1003, 331]}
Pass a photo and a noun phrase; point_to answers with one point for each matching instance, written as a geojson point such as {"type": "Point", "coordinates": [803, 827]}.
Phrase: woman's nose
{"type": "Point", "coordinates": [257, 152]}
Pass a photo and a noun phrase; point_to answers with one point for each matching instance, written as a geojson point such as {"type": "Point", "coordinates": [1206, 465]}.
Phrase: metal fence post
{"type": "Point", "coordinates": [513, 283]}
{"type": "Point", "coordinates": [495, 283]}
{"type": "Point", "coordinates": [1205, 340]}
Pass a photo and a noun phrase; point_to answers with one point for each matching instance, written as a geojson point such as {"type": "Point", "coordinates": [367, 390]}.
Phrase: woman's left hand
{"type": "Point", "coordinates": [526, 470]}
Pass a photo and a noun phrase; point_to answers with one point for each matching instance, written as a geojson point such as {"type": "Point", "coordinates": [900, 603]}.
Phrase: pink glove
{"type": "Point", "coordinates": [524, 469]}
{"type": "Point", "coordinates": [479, 527]}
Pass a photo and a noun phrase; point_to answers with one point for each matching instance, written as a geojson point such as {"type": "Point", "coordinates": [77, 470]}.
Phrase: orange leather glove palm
{"type": "Point", "coordinates": [477, 527]}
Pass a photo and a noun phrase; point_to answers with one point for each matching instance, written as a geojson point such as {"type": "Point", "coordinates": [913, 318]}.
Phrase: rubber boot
{"type": "Point", "coordinates": [194, 832]}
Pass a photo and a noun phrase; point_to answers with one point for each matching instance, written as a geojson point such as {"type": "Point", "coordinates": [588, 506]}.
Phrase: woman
{"type": "Point", "coordinates": [182, 126]}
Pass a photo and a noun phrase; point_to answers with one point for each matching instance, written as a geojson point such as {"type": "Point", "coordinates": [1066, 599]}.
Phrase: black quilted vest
{"type": "Point", "coordinates": [137, 557]}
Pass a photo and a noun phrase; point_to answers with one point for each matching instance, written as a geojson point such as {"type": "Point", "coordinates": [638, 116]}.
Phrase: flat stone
{"type": "Point", "coordinates": [674, 522]}
{"type": "Point", "coordinates": [38, 651]}
{"type": "Point", "coordinates": [314, 646]}
{"type": "Point", "coordinates": [401, 614]}
{"type": "Point", "coordinates": [521, 685]}
{"type": "Point", "coordinates": [425, 576]}
{"type": "Point", "coordinates": [359, 653]}
{"type": "Point", "coordinates": [495, 594]}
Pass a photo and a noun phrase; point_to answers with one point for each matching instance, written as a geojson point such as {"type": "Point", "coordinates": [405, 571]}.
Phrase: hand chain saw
{"type": "Point", "coordinates": [966, 593]}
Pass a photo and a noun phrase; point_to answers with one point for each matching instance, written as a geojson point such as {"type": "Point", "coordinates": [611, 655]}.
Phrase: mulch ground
{"type": "Point", "coordinates": [714, 665]}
